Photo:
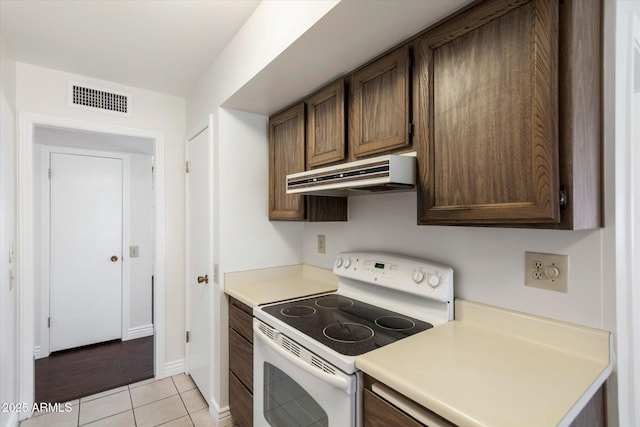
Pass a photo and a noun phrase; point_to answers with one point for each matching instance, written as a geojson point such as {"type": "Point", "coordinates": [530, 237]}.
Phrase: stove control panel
{"type": "Point", "coordinates": [411, 275]}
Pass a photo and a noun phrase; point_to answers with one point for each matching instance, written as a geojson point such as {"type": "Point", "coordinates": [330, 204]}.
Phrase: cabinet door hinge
{"type": "Point", "coordinates": [564, 198]}
{"type": "Point", "coordinates": [48, 322]}
{"type": "Point", "coordinates": [49, 173]}
{"type": "Point", "coordinates": [187, 167]}
{"type": "Point", "coordinates": [187, 336]}
{"type": "Point", "coordinates": [410, 128]}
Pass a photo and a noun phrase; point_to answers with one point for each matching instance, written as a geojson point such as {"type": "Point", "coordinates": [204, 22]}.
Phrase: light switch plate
{"type": "Point", "coordinates": [134, 251]}
{"type": "Point", "coordinates": [546, 271]}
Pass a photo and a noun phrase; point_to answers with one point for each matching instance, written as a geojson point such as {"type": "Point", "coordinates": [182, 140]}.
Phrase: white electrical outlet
{"type": "Point", "coordinates": [546, 271]}
{"type": "Point", "coordinates": [322, 244]}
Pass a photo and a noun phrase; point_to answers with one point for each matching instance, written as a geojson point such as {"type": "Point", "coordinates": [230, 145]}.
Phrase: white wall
{"type": "Point", "coordinates": [244, 238]}
{"type": "Point", "coordinates": [141, 233]}
{"type": "Point", "coordinates": [44, 91]}
{"type": "Point", "coordinates": [488, 263]}
{"type": "Point", "coordinates": [8, 292]}
{"type": "Point", "coordinates": [247, 238]}
{"type": "Point", "coordinates": [273, 27]}
{"type": "Point", "coordinates": [626, 85]}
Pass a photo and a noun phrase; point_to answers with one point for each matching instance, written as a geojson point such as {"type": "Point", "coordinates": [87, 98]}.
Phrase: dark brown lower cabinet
{"type": "Point", "coordinates": [241, 359]}
{"type": "Point", "coordinates": [240, 363]}
{"type": "Point", "coordinates": [241, 402]}
{"type": "Point", "coordinates": [380, 413]}
{"type": "Point", "coordinates": [594, 414]}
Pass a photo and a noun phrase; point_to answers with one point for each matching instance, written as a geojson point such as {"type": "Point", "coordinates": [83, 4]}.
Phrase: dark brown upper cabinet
{"type": "Point", "coordinates": [379, 106]}
{"type": "Point", "coordinates": [499, 135]}
{"type": "Point", "coordinates": [325, 126]}
{"type": "Point", "coordinates": [286, 156]}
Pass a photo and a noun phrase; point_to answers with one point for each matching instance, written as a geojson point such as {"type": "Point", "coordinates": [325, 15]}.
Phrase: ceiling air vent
{"type": "Point", "coordinates": [91, 97]}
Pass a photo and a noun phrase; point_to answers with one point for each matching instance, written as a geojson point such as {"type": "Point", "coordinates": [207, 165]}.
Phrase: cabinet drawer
{"type": "Point", "coordinates": [241, 358]}
{"type": "Point", "coordinates": [240, 402]}
{"type": "Point", "coordinates": [241, 321]}
{"type": "Point", "coordinates": [379, 413]}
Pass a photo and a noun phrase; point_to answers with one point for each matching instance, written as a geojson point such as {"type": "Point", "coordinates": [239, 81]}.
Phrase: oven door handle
{"type": "Point", "coordinates": [339, 382]}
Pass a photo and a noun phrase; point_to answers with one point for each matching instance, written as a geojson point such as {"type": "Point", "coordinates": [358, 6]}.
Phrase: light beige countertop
{"type": "Point", "coordinates": [257, 287]}
{"type": "Point", "coordinates": [495, 367]}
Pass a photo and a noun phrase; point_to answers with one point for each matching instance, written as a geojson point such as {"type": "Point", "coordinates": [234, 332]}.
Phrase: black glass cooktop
{"type": "Point", "coordinates": [346, 325]}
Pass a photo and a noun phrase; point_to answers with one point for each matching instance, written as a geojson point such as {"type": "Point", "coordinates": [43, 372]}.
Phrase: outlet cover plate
{"type": "Point", "coordinates": [540, 269]}
{"type": "Point", "coordinates": [322, 244]}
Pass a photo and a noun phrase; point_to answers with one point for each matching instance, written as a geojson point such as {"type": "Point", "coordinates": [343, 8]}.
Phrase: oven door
{"type": "Point", "coordinates": [294, 387]}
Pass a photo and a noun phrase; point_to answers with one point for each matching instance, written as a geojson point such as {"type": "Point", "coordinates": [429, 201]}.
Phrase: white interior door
{"type": "Point", "coordinates": [86, 244]}
{"type": "Point", "coordinates": [200, 222]}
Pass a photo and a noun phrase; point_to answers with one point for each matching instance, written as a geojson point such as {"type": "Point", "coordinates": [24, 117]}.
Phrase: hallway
{"type": "Point", "coordinates": [71, 374]}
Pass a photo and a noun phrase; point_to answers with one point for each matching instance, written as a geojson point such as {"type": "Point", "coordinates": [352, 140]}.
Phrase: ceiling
{"type": "Point", "coordinates": [164, 46]}
{"type": "Point", "coordinates": [168, 45]}
{"type": "Point", "coordinates": [75, 138]}
{"type": "Point", "coordinates": [348, 36]}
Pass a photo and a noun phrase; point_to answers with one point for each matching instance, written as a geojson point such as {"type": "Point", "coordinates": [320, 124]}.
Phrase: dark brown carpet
{"type": "Point", "coordinates": [71, 374]}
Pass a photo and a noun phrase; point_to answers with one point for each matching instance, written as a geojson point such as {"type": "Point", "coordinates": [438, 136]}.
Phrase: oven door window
{"type": "Point", "coordinates": [286, 403]}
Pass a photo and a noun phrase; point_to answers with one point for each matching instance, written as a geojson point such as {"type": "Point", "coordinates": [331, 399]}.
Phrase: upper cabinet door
{"type": "Point", "coordinates": [379, 106]}
{"type": "Point", "coordinates": [487, 107]}
{"type": "Point", "coordinates": [325, 126]}
{"type": "Point", "coordinates": [286, 156]}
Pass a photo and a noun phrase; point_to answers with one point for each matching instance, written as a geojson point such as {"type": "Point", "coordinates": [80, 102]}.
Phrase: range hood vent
{"type": "Point", "coordinates": [377, 174]}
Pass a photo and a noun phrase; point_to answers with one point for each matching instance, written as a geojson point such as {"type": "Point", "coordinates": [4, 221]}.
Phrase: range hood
{"type": "Point", "coordinates": [384, 173]}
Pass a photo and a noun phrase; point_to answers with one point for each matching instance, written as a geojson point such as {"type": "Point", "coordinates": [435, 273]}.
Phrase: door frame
{"type": "Point", "coordinates": [45, 289]}
{"type": "Point", "coordinates": [625, 236]}
{"type": "Point", "coordinates": [25, 232]}
{"type": "Point", "coordinates": [204, 125]}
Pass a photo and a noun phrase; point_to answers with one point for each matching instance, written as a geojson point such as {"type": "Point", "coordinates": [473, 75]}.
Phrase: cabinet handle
{"type": "Point", "coordinates": [114, 258]}
{"type": "Point", "coordinates": [203, 279]}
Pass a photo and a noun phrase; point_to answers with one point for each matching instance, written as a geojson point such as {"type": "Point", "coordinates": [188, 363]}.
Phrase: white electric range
{"type": "Point", "coordinates": [305, 349]}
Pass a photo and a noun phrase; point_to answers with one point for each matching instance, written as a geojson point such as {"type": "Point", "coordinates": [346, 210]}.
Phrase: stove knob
{"type": "Point", "coordinates": [347, 262]}
{"type": "Point", "coordinates": [339, 262]}
{"type": "Point", "coordinates": [418, 276]}
{"type": "Point", "coordinates": [435, 280]}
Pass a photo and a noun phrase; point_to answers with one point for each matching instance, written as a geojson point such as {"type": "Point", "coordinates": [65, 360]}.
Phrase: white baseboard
{"type": "Point", "coordinates": [138, 332]}
{"type": "Point", "coordinates": [37, 352]}
{"type": "Point", "coordinates": [174, 368]}
{"type": "Point", "coordinates": [132, 333]}
{"type": "Point", "coordinates": [221, 416]}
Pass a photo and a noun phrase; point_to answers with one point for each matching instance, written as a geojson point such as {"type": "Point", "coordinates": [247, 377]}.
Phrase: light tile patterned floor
{"type": "Point", "coordinates": [171, 402]}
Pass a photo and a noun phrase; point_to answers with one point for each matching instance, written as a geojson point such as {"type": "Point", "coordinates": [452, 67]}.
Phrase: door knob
{"type": "Point", "coordinates": [114, 258]}
{"type": "Point", "coordinates": [203, 279]}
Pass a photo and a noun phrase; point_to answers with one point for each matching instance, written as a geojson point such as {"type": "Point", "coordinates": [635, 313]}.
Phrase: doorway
{"type": "Point", "coordinates": [30, 125]}
{"type": "Point", "coordinates": [96, 253]}
{"type": "Point", "coordinates": [199, 255]}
